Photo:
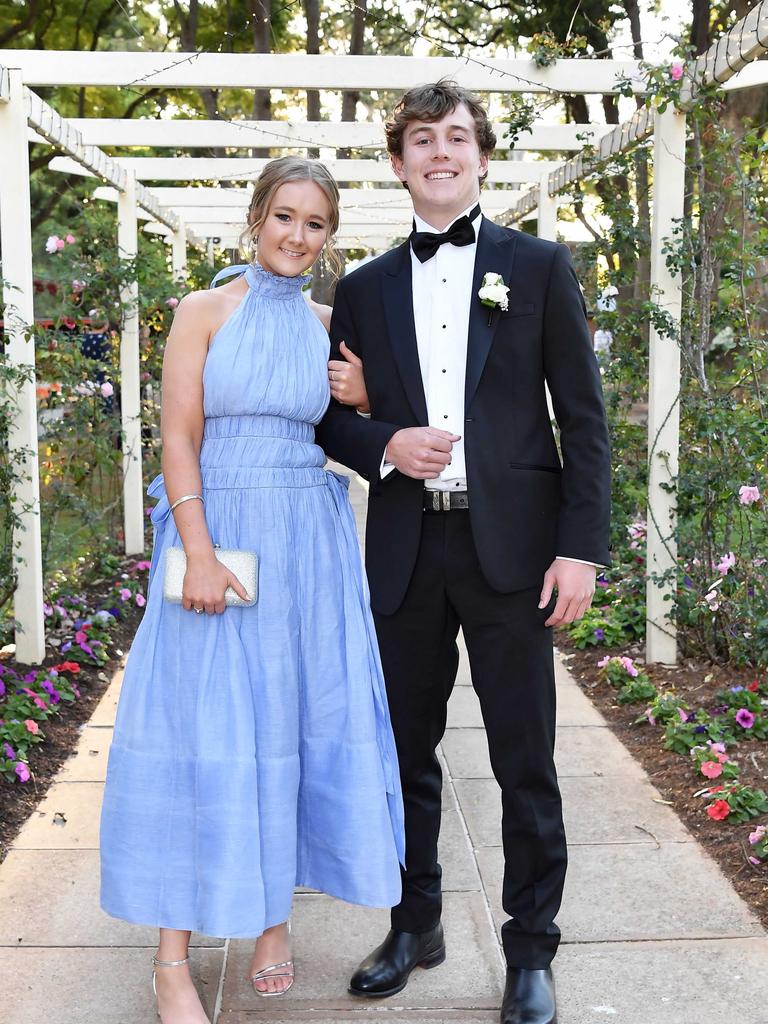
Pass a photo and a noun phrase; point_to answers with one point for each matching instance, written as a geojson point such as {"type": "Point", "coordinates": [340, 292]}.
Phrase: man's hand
{"type": "Point", "coordinates": [421, 452]}
{"type": "Point", "coordinates": [575, 582]}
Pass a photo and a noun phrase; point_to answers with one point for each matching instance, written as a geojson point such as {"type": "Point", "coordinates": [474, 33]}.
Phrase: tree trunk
{"type": "Point", "coordinates": [261, 11]}
{"type": "Point", "coordinates": [312, 13]}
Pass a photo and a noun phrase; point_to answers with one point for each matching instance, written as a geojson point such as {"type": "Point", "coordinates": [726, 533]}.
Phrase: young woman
{"type": "Point", "coordinates": [253, 751]}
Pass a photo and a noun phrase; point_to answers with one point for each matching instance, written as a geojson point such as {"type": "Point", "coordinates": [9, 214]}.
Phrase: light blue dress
{"type": "Point", "coordinates": [253, 751]}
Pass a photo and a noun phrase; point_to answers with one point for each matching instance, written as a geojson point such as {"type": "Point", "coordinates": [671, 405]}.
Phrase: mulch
{"type": "Point", "coordinates": [671, 773]}
{"type": "Point", "coordinates": [18, 800]}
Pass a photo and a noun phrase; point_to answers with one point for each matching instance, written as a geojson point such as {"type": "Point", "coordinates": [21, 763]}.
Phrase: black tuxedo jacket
{"type": "Point", "coordinates": [525, 506]}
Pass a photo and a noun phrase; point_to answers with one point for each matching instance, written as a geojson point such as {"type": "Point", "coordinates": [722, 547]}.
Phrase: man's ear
{"type": "Point", "coordinates": [483, 166]}
{"type": "Point", "coordinates": [396, 163]}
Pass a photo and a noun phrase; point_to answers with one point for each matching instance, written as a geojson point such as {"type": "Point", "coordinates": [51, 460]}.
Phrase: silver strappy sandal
{"type": "Point", "coordinates": [265, 974]}
{"type": "Point", "coordinates": [164, 963]}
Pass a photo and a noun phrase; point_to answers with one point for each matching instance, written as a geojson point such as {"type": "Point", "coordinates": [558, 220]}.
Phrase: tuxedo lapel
{"type": "Point", "coordinates": [398, 309]}
{"type": "Point", "coordinates": [495, 254]}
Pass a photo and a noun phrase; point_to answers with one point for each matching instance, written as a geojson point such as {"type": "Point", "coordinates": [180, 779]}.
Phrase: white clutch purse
{"type": "Point", "coordinates": [242, 564]}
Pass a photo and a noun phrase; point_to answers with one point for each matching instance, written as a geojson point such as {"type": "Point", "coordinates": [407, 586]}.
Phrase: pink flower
{"type": "Point", "coordinates": [22, 771]}
{"type": "Point", "coordinates": [107, 390]}
{"type": "Point", "coordinates": [711, 769]}
{"type": "Point", "coordinates": [745, 718]}
{"type": "Point", "coordinates": [749, 495]}
{"type": "Point", "coordinates": [32, 726]}
{"type": "Point", "coordinates": [60, 243]}
{"type": "Point", "coordinates": [717, 747]}
{"type": "Point", "coordinates": [726, 562]}
{"type": "Point", "coordinates": [69, 239]}
{"type": "Point", "coordinates": [81, 636]}
{"type": "Point", "coordinates": [78, 286]}
{"type": "Point", "coordinates": [713, 600]}
{"type": "Point", "coordinates": [140, 566]}
{"type": "Point", "coordinates": [604, 661]}
{"type": "Point", "coordinates": [125, 594]}
{"type": "Point", "coordinates": [51, 244]}
{"type": "Point", "coordinates": [140, 600]}
{"type": "Point", "coordinates": [650, 716]}
{"type": "Point", "coordinates": [629, 665]}
{"type": "Point", "coordinates": [757, 835]}
{"type": "Point", "coordinates": [172, 302]}
{"type": "Point", "coordinates": [676, 72]}
{"type": "Point", "coordinates": [753, 860]}
{"type": "Point", "coordinates": [683, 716]}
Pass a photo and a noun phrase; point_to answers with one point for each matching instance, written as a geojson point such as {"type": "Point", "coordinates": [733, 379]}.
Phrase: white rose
{"type": "Point", "coordinates": [495, 293]}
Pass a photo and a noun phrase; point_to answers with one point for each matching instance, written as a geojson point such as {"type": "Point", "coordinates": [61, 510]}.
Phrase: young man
{"type": "Point", "coordinates": [472, 520]}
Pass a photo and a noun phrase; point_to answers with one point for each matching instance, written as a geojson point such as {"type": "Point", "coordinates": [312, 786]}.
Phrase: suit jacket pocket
{"type": "Point", "coordinates": [535, 466]}
{"type": "Point", "coordinates": [521, 309]}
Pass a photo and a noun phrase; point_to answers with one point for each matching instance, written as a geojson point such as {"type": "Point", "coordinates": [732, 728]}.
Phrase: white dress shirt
{"type": "Point", "coordinates": [442, 300]}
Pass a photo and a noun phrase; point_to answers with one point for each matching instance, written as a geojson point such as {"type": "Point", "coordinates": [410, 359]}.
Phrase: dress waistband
{"type": "Point", "coordinates": [258, 426]}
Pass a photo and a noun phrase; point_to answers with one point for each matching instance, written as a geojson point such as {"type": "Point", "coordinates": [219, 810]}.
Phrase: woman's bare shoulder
{"type": "Point", "coordinates": [322, 312]}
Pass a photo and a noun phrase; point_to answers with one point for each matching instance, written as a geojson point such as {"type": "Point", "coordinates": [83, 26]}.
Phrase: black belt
{"type": "Point", "coordinates": [445, 501]}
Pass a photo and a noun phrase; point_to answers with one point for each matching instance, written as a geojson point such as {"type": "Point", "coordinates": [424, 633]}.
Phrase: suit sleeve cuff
{"type": "Point", "coordinates": [581, 561]}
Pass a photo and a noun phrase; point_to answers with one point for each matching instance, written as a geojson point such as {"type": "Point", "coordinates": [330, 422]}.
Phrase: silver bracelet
{"type": "Point", "coordinates": [187, 497]}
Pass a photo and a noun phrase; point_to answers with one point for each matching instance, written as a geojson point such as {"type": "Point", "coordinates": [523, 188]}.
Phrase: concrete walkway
{"type": "Point", "coordinates": [653, 932]}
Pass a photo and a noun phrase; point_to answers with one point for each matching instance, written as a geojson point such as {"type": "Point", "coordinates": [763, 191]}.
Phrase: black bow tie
{"type": "Point", "coordinates": [426, 243]}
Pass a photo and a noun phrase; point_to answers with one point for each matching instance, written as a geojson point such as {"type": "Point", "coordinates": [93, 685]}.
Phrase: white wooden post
{"type": "Point", "coordinates": [130, 392]}
{"type": "Point", "coordinates": [547, 224]}
{"type": "Point", "coordinates": [179, 252]}
{"type": "Point", "coordinates": [16, 236]}
{"type": "Point", "coordinates": [663, 389]}
{"type": "Point", "coordinates": [209, 251]}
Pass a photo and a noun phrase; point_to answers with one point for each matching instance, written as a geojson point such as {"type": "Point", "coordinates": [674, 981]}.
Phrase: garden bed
{"type": "Point", "coordinates": [59, 703]}
{"type": "Point", "coordinates": [675, 775]}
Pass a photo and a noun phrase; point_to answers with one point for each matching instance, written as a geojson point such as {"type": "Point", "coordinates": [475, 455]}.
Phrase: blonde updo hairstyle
{"type": "Point", "coordinates": [277, 173]}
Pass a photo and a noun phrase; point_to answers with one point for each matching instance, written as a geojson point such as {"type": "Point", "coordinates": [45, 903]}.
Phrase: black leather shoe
{"type": "Point", "coordinates": [529, 997]}
{"type": "Point", "coordinates": [387, 969]}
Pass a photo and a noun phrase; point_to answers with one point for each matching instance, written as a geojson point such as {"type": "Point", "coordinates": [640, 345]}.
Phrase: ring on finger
{"type": "Point", "coordinates": [199, 611]}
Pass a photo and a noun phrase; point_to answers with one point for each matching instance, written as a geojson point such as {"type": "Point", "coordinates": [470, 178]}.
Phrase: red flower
{"type": "Point", "coordinates": [719, 810]}
{"type": "Point", "coordinates": [717, 789]}
{"type": "Point", "coordinates": [754, 686]}
{"type": "Point", "coordinates": [68, 666]}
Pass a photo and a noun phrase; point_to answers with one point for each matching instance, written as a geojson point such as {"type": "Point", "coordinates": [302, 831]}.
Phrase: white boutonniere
{"type": "Point", "coordinates": [493, 293]}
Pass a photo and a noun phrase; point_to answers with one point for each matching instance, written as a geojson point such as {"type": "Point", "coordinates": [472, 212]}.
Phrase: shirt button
{"type": "Point", "coordinates": [445, 371]}
{"type": "Point", "coordinates": [445, 417]}
{"type": "Point", "coordinates": [444, 326]}
{"type": "Point", "coordinates": [445, 279]}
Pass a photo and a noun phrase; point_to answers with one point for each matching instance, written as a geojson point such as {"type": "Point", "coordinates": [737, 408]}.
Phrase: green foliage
{"type": "Point", "coordinates": [736, 802]}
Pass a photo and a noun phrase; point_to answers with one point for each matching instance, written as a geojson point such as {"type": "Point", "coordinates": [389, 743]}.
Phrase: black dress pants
{"type": "Point", "coordinates": [511, 662]}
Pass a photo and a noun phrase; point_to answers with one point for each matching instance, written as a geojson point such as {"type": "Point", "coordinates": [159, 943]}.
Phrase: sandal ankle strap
{"type": "Point", "coordinates": [169, 963]}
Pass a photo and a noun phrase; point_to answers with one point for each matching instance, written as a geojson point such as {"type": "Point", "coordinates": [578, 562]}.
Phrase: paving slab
{"type": "Point", "coordinates": [67, 818]}
{"type": "Point", "coordinates": [61, 907]}
{"type": "Point", "coordinates": [369, 1012]}
{"type": "Point", "coordinates": [89, 761]}
{"type": "Point", "coordinates": [106, 709]}
{"type": "Point", "coordinates": [575, 708]}
{"type": "Point", "coordinates": [470, 978]}
{"type": "Point", "coordinates": [664, 982]}
{"type": "Point", "coordinates": [580, 752]}
{"type": "Point", "coordinates": [464, 709]}
{"type": "Point", "coordinates": [596, 810]}
{"type": "Point", "coordinates": [92, 986]}
{"type": "Point", "coordinates": [638, 893]}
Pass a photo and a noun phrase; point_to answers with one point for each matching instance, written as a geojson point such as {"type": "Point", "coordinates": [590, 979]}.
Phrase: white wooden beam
{"type": "Point", "coordinates": [5, 85]}
{"type": "Point", "coordinates": [242, 134]}
{"type": "Point", "coordinates": [664, 390]}
{"type": "Point", "coordinates": [16, 242]}
{"type": "Point", "coordinates": [179, 252]}
{"type": "Point", "coordinates": [500, 172]}
{"type": "Point", "coordinates": [59, 132]}
{"type": "Point", "coordinates": [725, 58]}
{"type": "Point", "coordinates": [130, 385]}
{"type": "Point", "coordinates": [305, 71]}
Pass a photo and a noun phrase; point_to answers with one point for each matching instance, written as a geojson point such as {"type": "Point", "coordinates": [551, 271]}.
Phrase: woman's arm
{"type": "Point", "coordinates": [182, 422]}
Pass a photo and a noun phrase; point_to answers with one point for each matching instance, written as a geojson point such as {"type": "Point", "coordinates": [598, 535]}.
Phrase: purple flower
{"type": "Point", "coordinates": [688, 582]}
{"type": "Point", "coordinates": [599, 634]}
{"type": "Point", "coordinates": [745, 718]}
{"type": "Point", "coordinates": [720, 709]}
{"type": "Point", "coordinates": [22, 771]}
{"type": "Point", "coordinates": [736, 689]}
{"type": "Point", "coordinates": [55, 697]}
{"type": "Point", "coordinates": [65, 647]}
{"type": "Point", "coordinates": [47, 685]}
{"type": "Point", "coordinates": [9, 752]}
{"type": "Point", "coordinates": [700, 728]}
{"type": "Point", "coordinates": [2, 688]}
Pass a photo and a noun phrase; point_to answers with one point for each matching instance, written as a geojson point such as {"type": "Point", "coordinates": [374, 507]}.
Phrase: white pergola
{"type": "Point", "coordinates": [373, 214]}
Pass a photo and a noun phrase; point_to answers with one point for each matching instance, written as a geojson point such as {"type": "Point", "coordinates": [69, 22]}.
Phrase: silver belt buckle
{"type": "Point", "coordinates": [445, 501]}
